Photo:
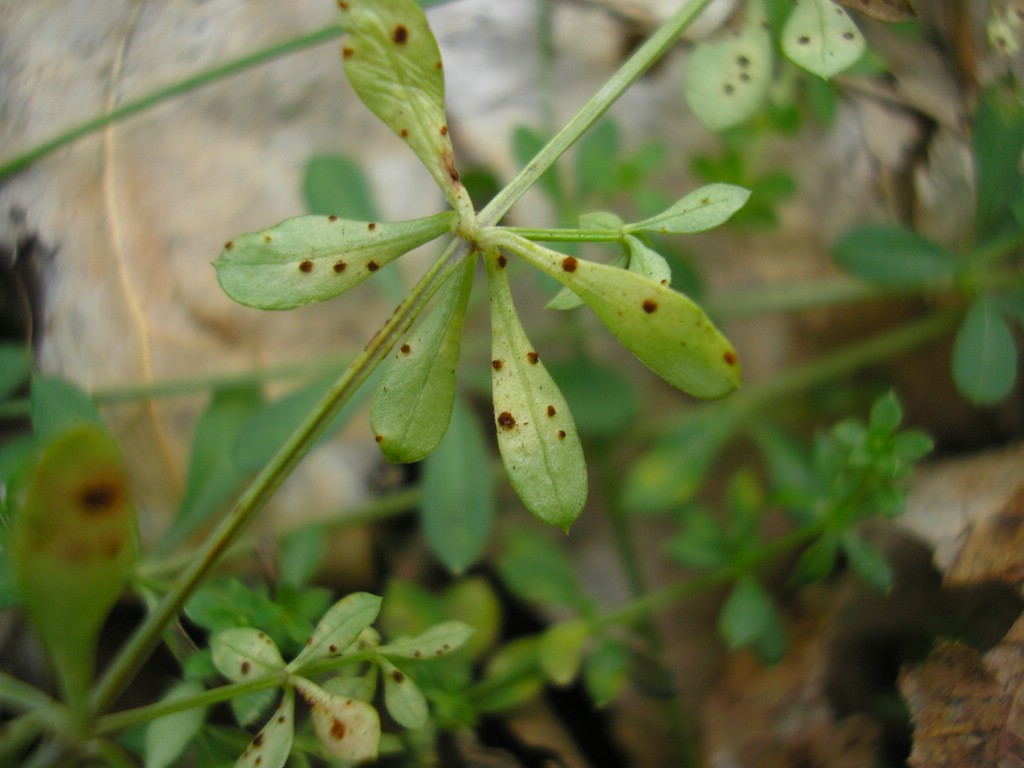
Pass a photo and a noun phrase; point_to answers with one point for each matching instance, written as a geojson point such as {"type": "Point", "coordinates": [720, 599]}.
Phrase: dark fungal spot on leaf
{"type": "Point", "coordinates": [339, 266]}
{"type": "Point", "coordinates": [229, 245]}
{"type": "Point", "coordinates": [258, 760]}
{"type": "Point", "coordinates": [305, 266]}
{"type": "Point", "coordinates": [847, 35]}
{"type": "Point", "coordinates": [569, 264]}
{"type": "Point", "coordinates": [705, 201]}
{"type": "Point", "coordinates": [417, 653]}
{"type": "Point", "coordinates": [649, 306]}
{"type": "Point", "coordinates": [439, 65]}
{"type": "Point", "coordinates": [332, 648]}
{"type": "Point", "coordinates": [371, 225]}
{"type": "Point", "coordinates": [268, 239]}
{"type": "Point", "coordinates": [373, 266]}
{"type": "Point", "coordinates": [343, 5]}
{"type": "Point", "coordinates": [497, 364]}
{"type": "Point", "coordinates": [729, 357]}
{"type": "Point", "coordinates": [397, 676]}
{"type": "Point", "coordinates": [501, 261]}
{"type": "Point", "coordinates": [561, 434]}
{"type": "Point", "coordinates": [258, 741]}
{"type": "Point", "coordinates": [332, 217]}
{"type": "Point", "coordinates": [803, 40]}
{"type": "Point", "coordinates": [246, 667]}
{"type": "Point", "coordinates": [338, 730]}
{"type": "Point", "coordinates": [506, 420]}
{"type": "Point", "coordinates": [744, 77]}
{"type": "Point", "coordinates": [743, 61]}
{"type": "Point", "coordinates": [551, 411]}
{"type": "Point", "coordinates": [400, 34]}
{"type": "Point", "coordinates": [533, 357]}
{"type": "Point", "coordinates": [728, 88]}
{"type": "Point", "coordinates": [346, 52]}
{"type": "Point", "coordinates": [282, 719]}
{"type": "Point", "coordinates": [444, 130]}
{"type": "Point", "coordinates": [379, 438]}
{"type": "Point", "coordinates": [405, 349]}
{"type": "Point", "coordinates": [99, 497]}
{"type": "Point", "coordinates": [404, 133]}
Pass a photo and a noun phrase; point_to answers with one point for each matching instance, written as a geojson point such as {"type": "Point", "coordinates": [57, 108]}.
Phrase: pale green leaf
{"type": "Point", "coordinates": [340, 627]}
{"type": "Point", "coordinates": [439, 640]}
{"type": "Point", "coordinates": [537, 570]}
{"type": "Point", "coordinates": [393, 63]}
{"type": "Point", "coordinates": [413, 403]}
{"type": "Point", "coordinates": [537, 437]}
{"type": "Point", "coordinates": [647, 262]}
{"type": "Point", "coordinates": [702, 209]}
{"type": "Point", "coordinates": [666, 330]}
{"type": "Point", "coordinates": [561, 650]}
{"type": "Point", "coordinates": [727, 79]}
{"type": "Point", "coordinates": [314, 258]}
{"type": "Point", "coordinates": [605, 672]}
{"type": "Point", "coordinates": [167, 737]}
{"type": "Point", "coordinates": [894, 257]}
{"type": "Point", "coordinates": [245, 653]}
{"type": "Point", "coordinates": [273, 744]}
{"type": "Point", "coordinates": [820, 37]}
{"type": "Point", "coordinates": [404, 700]}
{"type": "Point", "coordinates": [746, 615]}
{"type": "Point", "coordinates": [348, 728]}
{"type": "Point", "coordinates": [984, 354]}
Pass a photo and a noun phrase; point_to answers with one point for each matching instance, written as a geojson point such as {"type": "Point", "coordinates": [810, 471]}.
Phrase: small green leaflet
{"type": "Point", "coordinates": [537, 437]}
{"type": "Point", "coordinates": [647, 262]}
{"type": "Point", "coordinates": [820, 37]}
{"type": "Point", "coordinates": [561, 650]}
{"type": "Point", "coordinates": [667, 331]}
{"type": "Point", "coordinates": [245, 653]}
{"type": "Point", "coordinates": [340, 627]}
{"type": "Point", "coordinates": [348, 728]}
{"type": "Point", "coordinates": [273, 744]}
{"type": "Point", "coordinates": [393, 63]}
{"type": "Point", "coordinates": [314, 258]}
{"type": "Point", "coordinates": [413, 404]}
{"type": "Point", "coordinates": [167, 737]}
{"type": "Point", "coordinates": [703, 209]}
{"type": "Point", "coordinates": [984, 354]}
{"type": "Point", "coordinates": [404, 700]}
{"type": "Point", "coordinates": [439, 640]}
{"type": "Point", "coordinates": [727, 79]}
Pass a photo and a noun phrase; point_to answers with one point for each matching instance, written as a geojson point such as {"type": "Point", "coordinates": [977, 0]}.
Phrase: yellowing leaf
{"type": "Point", "coordinates": [413, 404]}
{"type": "Point", "coordinates": [314, 258]}
{"type": "Point", "coordinates": [820, 37]}
{"type": "Point", "coordinates": [348, 728]}
{"type": "Point", "coordinates": [537, 437]}
{"type": "Point", "coordinates": [73, 545]}
{"type": "Point", "coordinates": [727, 79]}
{"type": "Point", "coordinates": [392, 60]}
{"type": "Point", "coordinates": [667, 331]}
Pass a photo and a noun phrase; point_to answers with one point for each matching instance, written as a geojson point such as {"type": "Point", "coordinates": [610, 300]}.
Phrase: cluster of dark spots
{"type": "Point", "coordinates": [405, 349]}
{"type": "Point", "coordinates": [497, 364]}
{"type": "Point", "coordinates": [400, 34]}
{"type": "Point", "coordinates": [397, 676]}
{"type": "Point", "coordinates": [346, 52]}
{"type": "Point", "coordinates": [649, 305]}
{"type": "Point", "coordinates": [561, 434]}
{"type": "Point", "coordinates": [569, 264]}
{"type": "Point", "coordinates": [229, 245]}
{"type": "Point", "coordinates": [246, 667]}
{"type": "Point", "coordinates": [729, 357]}
{"type": "Point", "coordinates": [339, 266]}
{"type": "Point", "coordinates": [804, 40]}
{"type": "Point", "coordinates": [506, 420]}
{"type": "Point", "coordinates": [373, 266]}
{"type": "Point", "coordinates": [551, 411]}
{"type": "Point", "coordinates": [501, 261]}
{"type": "Point", "coordinates": [332, 217]}
{"type": "Point", "coordinates": [99, 497]}
{"type": "Point", "coordinates": [305, 265]}
{"type": "Point", "coordinates": [371, 226]}
{"type": "Point", "coordinates": [533, 357]}
{"type": "Point", "coordinates": [268, 239]}
{"type": "Point", "coordinates": [444, 130]}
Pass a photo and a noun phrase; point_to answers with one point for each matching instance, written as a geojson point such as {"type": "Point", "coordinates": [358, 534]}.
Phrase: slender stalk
{"type": "Point", "coordinates": [255, 497]}
{"type": "Point", "coordinates": [567, 235]}
{"type": "Point", "coordinates": [18, 162]}
{"type": "Point", "coordinates": [15, 694]}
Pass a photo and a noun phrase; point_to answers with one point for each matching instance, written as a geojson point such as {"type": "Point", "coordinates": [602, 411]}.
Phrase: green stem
{"type": "Point", "coordinates": [18, 162]}
{"type": "Point", "coordinates": [147, 636]}
{"type": "Point", "coordinates": [631, 71]}
{"type": "Point", "coordinates": [22, 696]}
{"type": "Point", "coordinates": [567, 235]}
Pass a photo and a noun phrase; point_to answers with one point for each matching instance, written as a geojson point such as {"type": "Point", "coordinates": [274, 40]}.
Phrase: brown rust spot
{"type": "Point", "coordinates": [400, 34]}
{"type": "Point", "coordinates": [729, 357]}
{"type": "Point", "coordinates": [268, 239]}
{"type": "Point", "coordinates": [444, 130]}
{"type": "Point", "coordinates": [397, 676]}
{"type": "Point", "coordinates": [406, 349]}
{"type": "Point", "coordinates": [371, 226]}
{"type": "Point", "coordinates": [258, 741]}
{"type": "Point", "coordinates": [339, 266]}
{"type": "Point", "coordinates": [332, 217]}
{"type": "Point", "coordinates": [404, 133]}
{"type": "Point", "coordinates": [561, 434]}
{"type": "Point", "coordinates": [569, 264]}
{"type": "Point", "coordinates": [803, 40]}
{"type": "Point", "coordinates": [306, 266]}
{"type": "Point", "coordinates": [346, 52]}
{"type": "Point", "coordinates": [379, 438]}
{"type": "Point", "coordinates": [497, 364]}
{"type": "Point", "coordinates": [501, 261]}
{"type": "Point", "coordinates": [649, 306]}
{"type": "Point", "coordinates": [373, 266]}
{"type": "Point", "coordinates": [100, 497]}
{"type": "Point", "coordinates": [332, 648]}
{"type": "Point", "coordinates": [551, 411]}
{"type": "Point", "coordinates": [246, 667]}
{"type": "Point", "coordinates": [338, 730]}
{"type": "Point", "coordinates": [343, 5]}
{"type": "Point", "coordinates": [229, 245]}
{"type": "Point", "coordinates": [506, 420]}
{"type": "Point", "coordinates": [533, 357]}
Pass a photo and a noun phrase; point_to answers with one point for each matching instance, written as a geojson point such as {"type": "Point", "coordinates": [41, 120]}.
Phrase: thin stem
{"type": "Point", "coordinates": [21, 696]}
{"type": "Point", "coordinates": [567, 235]}
{"type": "Point", "coordinates": [631, 71]}
{"type": "Point", "coordinates": [18, 162]}
{"type": "Point", "coordinates": [255, 497]}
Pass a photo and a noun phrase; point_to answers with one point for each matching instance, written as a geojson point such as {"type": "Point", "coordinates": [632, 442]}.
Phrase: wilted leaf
{"type": "Point", "coordinates": [820, 37]}
{"type": "Point", "coordinates": [727, 79]}
{"type": "Point", "coordinates": [340, 627]}
{"type": "Point", "coordinates": [703, 209]}
{"type": "Point", "coordinates": [984, 354]}
{"type": "Point", "coordinates": [667, 331]}
{"type": "Point", "coordinates": [315, 258]}
{"type": "Point", "coordinates": [348, 728]}
{"type": "Point", "coordinates": [537, 437]}
{"type": "Point", "coordinates": [413, 403]}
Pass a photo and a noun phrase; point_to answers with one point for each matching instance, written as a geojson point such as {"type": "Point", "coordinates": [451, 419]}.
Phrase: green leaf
{"type": "Point", "coordinates": [301, 554]}
{"type": "Point", "coordinates": [561, 650]}
{"type": "Point", "coordinates": [15, 367]}
{"type": "Point", "coordinates": [746, 615]}
{"type": "Point", "coordinates": [666, 330]}
{"type": "Point", "coordinates": [57, 405]}
{"type": "Point", "coordinates": [702, 209]}
{"type": "Point", "coordinates": [348, 728]}
{"type": "Point", "coordinates": [333, 184]}
{"type": "Point", "coordinates": [512, 676]}
{"type": "Point", "coordinates": [393, 63]}
{"type": "Point", "coordinates": [404, 700]}
{"type": "Point", "coordinates": [886, 414]}
{"type": "Point", "coordinates": [647, 262]}
{"type": "Point", "coordinates": [605, 672]}
{"type": "Point", "coordinates": [245, 653]}
{"type": "Point", "coordinates": [603, 401]}
{"type": "Point", "coordinates": [438, 640]}
{"type": "Point", "coordinates": [213, 476]}
{"type": "Point", "coordinates": [997, 137]}
{"type": "Point", "coordinates": [820, 37]}
{"type": "Point", "coordinates": [526, 144]}
{"type": "Point", "coordinates": [538, 571]}
{"type": "Point", "coordinates": [273, 744]}
{"type": "Point", "coordinates": [458, 504]}
{"type": "Point", "coordinates": [701, 543]}
{"type": "Point", "coordinates": [597, 162]}
{"type": "Point", "coordinates": [727, 79]}
{"type": "Point", "coordinates": [894, 257]}
{"type": "Point", "coordinates": [73, 545]}
{"type": "Point", "coordinates": [537, 437]}
{"type": "Point", "coordinates": [867, 562]}
{"type": "Point", "coordinates": [413, 403]}
{"type": "Point", "coordinates": [817, 561]}
{"type": "Point", "coordinates": [340, 627]}
{"type": "Point", "coordinates": [474, 602]}
{"type": "Point", "coordinates": [315, 258]}
{"type": "Point", "coordinates": [167, 737]}
{"type": "Point", "coordinates": [984, 355]}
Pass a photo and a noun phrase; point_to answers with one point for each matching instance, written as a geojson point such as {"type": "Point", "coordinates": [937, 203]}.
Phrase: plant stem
{"type": "Point", "coordinates": [147, 636]}
{"type": "Point", "coordinates": [631, 71]}
{"type": "Point", "coordinates": [18, 162]}
{"type": "Point", "coordinates": [568, 235]}
{"type": "Point", "coordinates": [22, 696]}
